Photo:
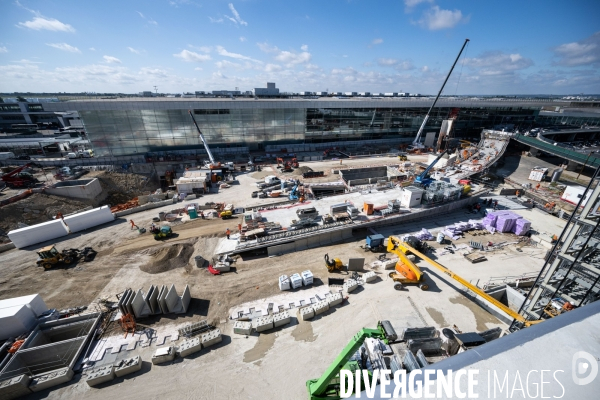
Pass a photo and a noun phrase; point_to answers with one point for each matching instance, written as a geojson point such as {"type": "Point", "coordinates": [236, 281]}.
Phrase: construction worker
{"type": "Point", "coordinates": [495, 204]}
{"type": "Point", "coordinates": [240, 227]}
{"type": "Point", "coordinates": [228, 232]}
{"type": "Point", "coordinates": [202, 214]}
{"type": "Point", "coordinates": [518, 193]}
{"type": "Point", "coordinates": [133, 225]}
{"type": "Point", "coordinates": [537, 187]}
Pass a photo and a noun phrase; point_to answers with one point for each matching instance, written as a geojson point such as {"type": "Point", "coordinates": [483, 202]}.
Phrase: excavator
{"type": "Point", "coordinates": [333, 264]}
{"type": "Point", "coordinates": [17, 178]}
{"type": "Point", "coordinates": [413, 274]}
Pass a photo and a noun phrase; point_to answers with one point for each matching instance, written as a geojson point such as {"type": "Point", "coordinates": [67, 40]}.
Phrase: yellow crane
{"type": "Point", "coordinates": [414, 275]}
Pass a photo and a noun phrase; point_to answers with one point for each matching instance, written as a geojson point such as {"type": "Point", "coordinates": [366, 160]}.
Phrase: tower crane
{"type": "Point", "coordinates": [212, 164]}
{"type": "Point", "coordinates": [416, 144]}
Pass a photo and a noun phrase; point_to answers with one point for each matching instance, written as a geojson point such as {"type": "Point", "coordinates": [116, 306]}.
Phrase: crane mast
{"type": "Point", "coordinates": [416, 141]}
{"type": "Point", "coordinates": [213, 163]}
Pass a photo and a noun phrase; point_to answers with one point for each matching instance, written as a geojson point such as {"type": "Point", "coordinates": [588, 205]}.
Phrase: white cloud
{"type": "Point", "coordinates": [204, 49]}
{"type": "Point", "coordinates": [377, 41]}
{"type": "Point", "coordinates": [111, 60]}
{"type": "Point", "coordinates": [224, 64]}
{"type": "Point", "coordinates": [135, 51]}
{"type": "Point", "coordinates": [64, 47]}
{"type": "Point", "coordinates": [436, 18]}
{"type": "Point", "coordinates": [222, 52]}
{"type": "Point", "coordinates": [584, 52]}
{"type": "Point", "coordinates": [304, 47]}
{"type": "Point", "coordinates": [215, 20]}
{"type": "Point", "coordinates": [410, 4]}
{"type": "Point", "coordinates": [3, 50]}
{"type": "Point", "coordinates": [386, 62]}
{"type": "Point", "coordinates": [50, 24]}
{"type": "Point", "coordinates": [190, 56]}
{"type": "Point", "coordinates": [242, 39]}
{"type": "Point", "coordinates": [198, 69]}
{"type": "Point", "coordinates": [92, 49]}
{"type": "Point", "coordinates": [236, 16]}
{"type": "Point", "coordinates": [154, 72]}
{"type": "Point", "coordinates": [273, 67]}
{"type": "Point", "coordinates": [288, 58]}
{"type": "Point", "coordinates": [498, 63]}
{"type": "Point", "coordinates": [148, 19]}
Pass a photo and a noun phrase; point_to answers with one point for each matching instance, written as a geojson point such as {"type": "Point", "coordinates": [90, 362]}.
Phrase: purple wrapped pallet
{"type": "Point", "coordinates": [522, 226]}
{"type": "Point", "coordinates": [505, 223]}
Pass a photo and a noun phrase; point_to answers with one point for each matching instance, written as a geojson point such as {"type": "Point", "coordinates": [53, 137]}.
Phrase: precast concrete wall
{"type": "Point", "coordinates": [38, 233]}
{"type": "Point", "coordinates": [316, 240]}
{"type": "Point", "coordinates": [89, 219]}
{"type": "Point", "coordinates": [87, 189]}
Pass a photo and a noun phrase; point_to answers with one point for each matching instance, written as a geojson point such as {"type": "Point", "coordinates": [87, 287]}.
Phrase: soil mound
{"type": "Point", "coordinates": [167, 258]}
{"type": "Point", "coordinates": [302, 170]}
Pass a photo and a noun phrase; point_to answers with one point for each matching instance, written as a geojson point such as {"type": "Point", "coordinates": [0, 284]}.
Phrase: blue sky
{"type": "Point", "coordinates": [516, 47]}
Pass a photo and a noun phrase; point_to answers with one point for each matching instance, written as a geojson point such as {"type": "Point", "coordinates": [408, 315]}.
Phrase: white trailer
{"type": "Point", "coordinates": [538, 174]}
{"type": "Point", "coordinates": [573, 194]}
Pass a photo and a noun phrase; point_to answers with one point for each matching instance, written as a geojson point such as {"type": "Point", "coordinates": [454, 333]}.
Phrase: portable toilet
{"type": "Point", "coordinates": [296, 281]}
{"type": "Point", "coordinates": [192, 212]}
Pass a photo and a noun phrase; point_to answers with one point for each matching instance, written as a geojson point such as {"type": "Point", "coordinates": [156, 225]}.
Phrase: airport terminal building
{"type": "Point", "coordinates": [131, 126]}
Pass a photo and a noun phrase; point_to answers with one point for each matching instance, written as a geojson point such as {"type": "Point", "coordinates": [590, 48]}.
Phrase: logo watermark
{"type": "Point", "coordinates": [584, 368]}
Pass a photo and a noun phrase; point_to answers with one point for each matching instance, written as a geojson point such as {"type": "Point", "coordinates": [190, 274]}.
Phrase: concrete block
{"type": "Point", "coordinates": [128, 366]}
{"type": "Point", "coordinates": [140, 307]}
{"type": "Point", "coordinates": [189, 346]}
{"type": "Point", "coordinates": [350, 285]}
{"type": "Point", "coordinates": [369, 276]}
{"type": "Point", "coordinates": [242, 327]}
{"type": "Point", "coordinates": [88, 219]}
{"type": "Point", "coordinates": [15, 387]}
{"type": "Point", "coordinates": [163, 355]}
{"type": "Point", "coordinates": [50, 379]}
{"type": "Point", "coordinates": [176, 304]}
{"type": "Point", "coordinates": [334, 299]}
{"type": "Point", "coordinates": [307, 313]}
{"type": "Point", "coordinates": [211, 338]}
{"type": "Point", "coordinates": [264, 323]}
{"type": "Point", "coordinates": [282, 318]}
{"type": "Point", "coordinates": [100, 375]}
{"type": "Point", "coordinates": [161, 300]}
{"type": "Point", "coordinates": [320, 307]}
{"type": "Point", "coordinates": [38, 233]}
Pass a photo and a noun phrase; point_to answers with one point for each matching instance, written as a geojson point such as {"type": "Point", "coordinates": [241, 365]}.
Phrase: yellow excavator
{"type": "Point", "coordinates": [410, 273]}
{"type": "Point", "coordinates": [334, 264]}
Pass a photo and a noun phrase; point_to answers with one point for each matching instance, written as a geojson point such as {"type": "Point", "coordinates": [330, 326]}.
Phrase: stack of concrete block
{"type": "Point", "coordinates": [158, 300]}
{"type": "Point", "coordinates": [350, 285]}
{"type": "Point", "coordinates": [189, 346]}
{"type": "Point", "coordinates": [282, 318]}
{"type": "Point", "coordinates": [284, 283]}
{"type": "Point", "coordinates": [369, 276]}
{"type": "Point", "coordinates": [128, 366]}
{"type": "Point", "coordinates": [296, 281]}
{"type": "Point", "coordinates": [178, 304]}
{"type": "Point", "coordinates": [334, 299]}
{"type": "Point", "coordinates": [321, 306]}
{"type": "Point", "coordinates": [211, 338]}
{"type": "Point", "coordinates": [163, 355]}
{"type": "Point", "coordinates": [140, 307]}
{"type": "Point", "coordinates": [242, 327]}
{"type": "Point", "coordinates": [50, 379]}
{"type": "Point", "coordinates": [307, 277]}
{"type": "Point", "coordinates": [264, 323]}
{"type": "Point", "coordinates": [15, 387]}
{"type": "Point", "coordinates": [100, 375]}
{"type": "Point", "coordinates": [307, 313]}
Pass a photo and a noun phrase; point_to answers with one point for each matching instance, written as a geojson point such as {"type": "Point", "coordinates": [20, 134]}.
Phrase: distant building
{"type": "Point", "coordinates": [270, 90]}
{"type": "Point", "coordinates": [146, 94]}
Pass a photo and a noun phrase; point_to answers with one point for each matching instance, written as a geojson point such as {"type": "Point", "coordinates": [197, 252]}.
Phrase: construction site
{"type": "Point", "coordinates": [288, 269]}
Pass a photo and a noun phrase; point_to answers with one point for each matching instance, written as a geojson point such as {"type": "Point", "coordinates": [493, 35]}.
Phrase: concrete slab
{"type": "Point", "coordinates": [282, 318]}
{"type": "Point", "coordinates": [350, 285]}
{"type": "Point", "coordinates": [211, 338]}
{"type": "Point", "coordinates": [128, 366]}
{"type": "Point", "coordinates": [307, 313]}
{"type": "Point", "coordinates": [242, 327]}
{"type": "Point", "coordinates": [321, 307]}
{"type": "Point", "coordinates": [163, 355]}
{"type": "Point", "coordinates": [140, 307]}
{"type": "Point", "coordinates": [334, 299]}
{"type": "Point", "coordinates": [263, 323]}
{"type": "Point", "coordinates": [189, 346]}
{"type": "Point", "coordinates": [100, 375]}
{"type": "Point", "coordinates": [50, 379]}
{"type": "Point", "coordinates": [369, 276]}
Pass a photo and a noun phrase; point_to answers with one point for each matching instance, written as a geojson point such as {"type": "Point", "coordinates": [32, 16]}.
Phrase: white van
{"type": "Point", "coordinates": [6, 155]}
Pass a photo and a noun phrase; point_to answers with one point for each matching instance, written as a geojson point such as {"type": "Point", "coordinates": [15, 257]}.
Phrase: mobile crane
{"type": "Point", "coordinates": [416, 144]}
{"type": "Point", "coordinates": [423, 178]}
{"type": "Point", "coordinates": [17, 178]}
{"type": "Point", "coordinates": [212, 164]}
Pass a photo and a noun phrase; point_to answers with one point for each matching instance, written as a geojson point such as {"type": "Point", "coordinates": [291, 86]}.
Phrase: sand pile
{"type": "Point", "coordinates": [302, 170]}
{"type": "Point", "coordinates": [168, 257]}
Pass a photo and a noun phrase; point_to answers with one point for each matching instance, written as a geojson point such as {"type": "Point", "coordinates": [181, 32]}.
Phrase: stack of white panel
{"type": "Point", "coordinates": [307, 278]}
{"type": "Point", "coordinates": [284, 282]}
{"type": "Point", "coordinates": [296, 281]}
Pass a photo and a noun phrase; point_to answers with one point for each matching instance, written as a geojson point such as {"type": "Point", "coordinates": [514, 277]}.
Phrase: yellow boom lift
{"type": "Point", "coordinates": [408, 272]}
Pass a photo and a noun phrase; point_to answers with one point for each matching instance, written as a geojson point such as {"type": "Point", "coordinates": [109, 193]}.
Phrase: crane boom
{"type": "Point", "coordinates": [422, 179]}
{"type": "Point", "coordinates": [416, 141]}
{"type": "Point", "coordinates": [513, 314]}
{"type": "Point", "coordinates": [213, 163]}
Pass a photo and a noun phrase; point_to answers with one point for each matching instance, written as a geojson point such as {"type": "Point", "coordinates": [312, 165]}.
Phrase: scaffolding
{"type": "Point", "coordinates": [570, 277]}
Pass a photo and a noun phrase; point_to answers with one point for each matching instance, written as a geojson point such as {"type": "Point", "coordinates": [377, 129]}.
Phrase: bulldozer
{"type": "Point", "coordinates": [333, 264]}
{"type": "Point", "coordinates": [49, 256]}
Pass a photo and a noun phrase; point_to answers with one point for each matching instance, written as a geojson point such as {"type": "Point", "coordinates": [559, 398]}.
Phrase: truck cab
{"type": "Point", "coordinates": [307, 213]}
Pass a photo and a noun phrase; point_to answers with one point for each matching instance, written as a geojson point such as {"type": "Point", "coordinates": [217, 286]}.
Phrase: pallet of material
{"type": "Point", "coordinates": [475, 257]}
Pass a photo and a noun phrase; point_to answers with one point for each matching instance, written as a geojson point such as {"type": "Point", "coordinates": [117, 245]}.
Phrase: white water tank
{"type": "Point", "coordinates": [307, 277]}
{"type": "Point", "coordinates": [284, 282]}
